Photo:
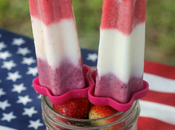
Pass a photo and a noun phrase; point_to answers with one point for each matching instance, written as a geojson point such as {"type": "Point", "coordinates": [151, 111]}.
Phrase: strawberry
{"type": "Point", "coordinates": [75, 108]}
{"type": "Point", "coordinates": [104, 111]}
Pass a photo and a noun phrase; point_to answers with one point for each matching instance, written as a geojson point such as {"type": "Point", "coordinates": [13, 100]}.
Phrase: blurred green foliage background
{"type": "Point", "coordinates": [160, 25]}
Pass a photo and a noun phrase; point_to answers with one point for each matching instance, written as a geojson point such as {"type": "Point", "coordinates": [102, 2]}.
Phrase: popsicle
{"type": "Point", "coordinates": [121, 49]}
{"type": "Point", "coordinates": [57, 47]}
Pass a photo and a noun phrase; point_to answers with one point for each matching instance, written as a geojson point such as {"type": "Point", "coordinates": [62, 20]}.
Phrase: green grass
{"type": "Point", "coordinates": [160, 25]}
{"type": "Point", "coordinates": [160, 43]}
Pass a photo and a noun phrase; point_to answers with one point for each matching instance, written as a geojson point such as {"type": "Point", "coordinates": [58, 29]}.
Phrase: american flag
{"type": "Point", "coordinates": [158, 106]}
{"type": "Point", "coordinates": [20, 105]}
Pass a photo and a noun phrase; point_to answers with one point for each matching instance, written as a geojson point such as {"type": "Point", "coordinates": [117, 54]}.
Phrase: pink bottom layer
{"type": "Point", "coordinates": [62, 79]}
{"type": "Point", "coordinates": [110, 86]}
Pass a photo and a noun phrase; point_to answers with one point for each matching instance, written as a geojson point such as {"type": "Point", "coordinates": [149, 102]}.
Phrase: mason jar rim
{"type": "Point", "coordinates": [46, 101]}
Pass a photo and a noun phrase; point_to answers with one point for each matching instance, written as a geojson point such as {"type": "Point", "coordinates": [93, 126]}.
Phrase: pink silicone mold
{"type": "Point", "coordinates": [88, 91]}
{"type": "Point", "coordinates": [77, 93]}
{"type": "Point", "coordinates": [114, 104]}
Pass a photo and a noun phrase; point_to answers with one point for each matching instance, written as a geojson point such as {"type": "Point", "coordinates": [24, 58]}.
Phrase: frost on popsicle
{"type": "Point", "coordinates": [57, 47]}
{"type": "Point", "coordinates": [121, 49]}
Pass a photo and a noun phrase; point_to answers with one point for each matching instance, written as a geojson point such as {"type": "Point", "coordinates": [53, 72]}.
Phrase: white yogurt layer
{"type": "Point", "coordinates": [122, 55]}
{"type": "Point", "coordinates": [56, 41]}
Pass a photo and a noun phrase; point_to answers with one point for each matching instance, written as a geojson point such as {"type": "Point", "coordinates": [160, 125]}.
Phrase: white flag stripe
{"type": "Point", "coordinates": [158, 111]}
{"type": "Point", "coordinates": [158, 83]}
{"type": "Point", "coordinates": [6, 128]}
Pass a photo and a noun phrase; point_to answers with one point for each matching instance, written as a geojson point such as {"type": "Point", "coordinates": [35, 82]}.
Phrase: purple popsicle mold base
{"type": "Point", "coordinates": [88, 91]}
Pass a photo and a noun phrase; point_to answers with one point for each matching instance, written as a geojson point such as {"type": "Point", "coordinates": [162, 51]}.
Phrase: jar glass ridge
{"type": "Point", "coordinates": [120, 120]}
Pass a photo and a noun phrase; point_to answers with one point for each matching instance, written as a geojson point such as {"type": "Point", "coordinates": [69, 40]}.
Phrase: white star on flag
{"type": "Point", "coordinates": [39, 96]}
{"type": "Point", "coordinates": [4, 104]}
{"type": "Point", "coordinates": [92, 57]}
{"type": "Point", "coordinates": [4, 55]}
{"type": "Point", "coordinates": [8, 117]}
{"type": "Point", "coordinates": [29, 111]}
{"type": "Point", "coordinates": [18, 88]}
{"type": "Point", "coordinates": [24, 99]}
{"type": "Point", "coordinates": [35, 124]}
{"type": "Point", "coordinates": [18, 41]}
{"type": "Point", "coordinates": [2, 45]}
{"type": "Point", "coordinates": [2, 92]}
{"type": "Point", "coordinates": [28, 61]}
{"type": "Point", "coordinates": [14, 76]}
{"type": "Point", "coordinates": [33, 71]}
{"type": "Point", "coordinates": [23, 51]}
{"type": "Point", "coordinates": [8, 64]}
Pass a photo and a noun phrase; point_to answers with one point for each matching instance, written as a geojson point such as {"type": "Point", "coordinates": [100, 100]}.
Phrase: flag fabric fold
{"type": "Point", "coordinates": [20, 105]}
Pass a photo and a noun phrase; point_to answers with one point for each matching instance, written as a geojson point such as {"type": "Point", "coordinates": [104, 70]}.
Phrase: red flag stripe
{"type": "Point", "coordinates": [160, 97]}
{"type": "Point", "coordinates": [145, 123]}
{"type": "Point", "coordinates": [159, 69]}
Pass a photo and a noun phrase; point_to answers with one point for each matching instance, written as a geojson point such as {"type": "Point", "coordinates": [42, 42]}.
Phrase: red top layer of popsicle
{"type": "Point", "coordinates": [50, 11]}
{"type": "Point", "coordinates": [123, 15]}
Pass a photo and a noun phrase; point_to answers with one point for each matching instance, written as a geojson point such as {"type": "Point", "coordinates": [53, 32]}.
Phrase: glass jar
{"type": "Point", "coordinates": [118, 121]}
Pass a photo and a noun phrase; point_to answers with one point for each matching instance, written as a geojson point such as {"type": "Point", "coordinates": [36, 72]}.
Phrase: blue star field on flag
{"type": "Point", "coordinates": [20, 105]}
